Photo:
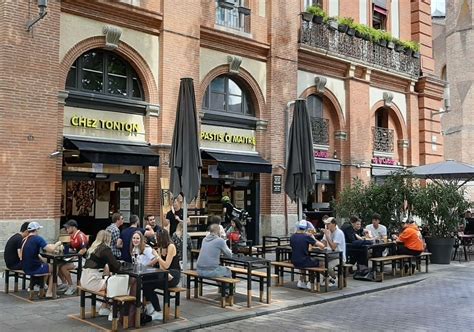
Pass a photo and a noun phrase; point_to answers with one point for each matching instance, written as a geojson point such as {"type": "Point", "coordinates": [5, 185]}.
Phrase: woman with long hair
{"type": "Point", "coordinates": [178, 241]}
{"type": "Point", "coordinates": [98, 257]}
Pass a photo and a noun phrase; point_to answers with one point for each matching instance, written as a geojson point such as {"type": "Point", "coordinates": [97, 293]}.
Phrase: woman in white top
{"type": "Point", "coordinates": [145, 255]}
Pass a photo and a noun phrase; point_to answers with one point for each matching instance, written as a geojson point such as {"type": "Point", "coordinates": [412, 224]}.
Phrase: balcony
{"type": "Point", "coordinates": [358, 50]}
{"type": "Point", "coordinates": [383, 140]}
{"type": "Point", "coordinates": [320, 131]}
{"type": "Point", "coordinates": [234, 18]}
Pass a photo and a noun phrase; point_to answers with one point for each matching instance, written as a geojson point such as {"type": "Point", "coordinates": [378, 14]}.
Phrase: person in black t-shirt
{"type": "Point", "coordinates": [12, 260]}
{"type": "Point", "coordinates": [174, 217]}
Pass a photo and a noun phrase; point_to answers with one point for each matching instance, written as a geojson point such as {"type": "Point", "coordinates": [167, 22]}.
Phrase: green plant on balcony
{"type": "Point", "coordinates": [362, 31]}
{"type": "Point", "coordinates": [346, 24]}
{"type": "Point", "coordinates": [331, 22]}
{"type": "Point", "coordinates": [399, 47]}
{"type": "Point", "coordinates": [388, 39]}
{"type": "Point", "coordinates": [317, 12]}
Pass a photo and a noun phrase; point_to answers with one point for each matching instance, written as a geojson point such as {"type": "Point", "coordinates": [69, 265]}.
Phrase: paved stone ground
{"type": "Point", "coordinates": [444, 302]}
{"type": "Point", "coordinates": [443, 294]}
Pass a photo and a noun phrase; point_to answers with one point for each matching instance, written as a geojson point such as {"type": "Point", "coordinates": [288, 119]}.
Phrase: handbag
{"type": "Point", "coordinates": [117, 285]}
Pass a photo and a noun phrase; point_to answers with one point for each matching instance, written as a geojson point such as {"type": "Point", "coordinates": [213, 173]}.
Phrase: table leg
{"type": "Point", "coordinates": [166, 300]}
{"type": "Point", "coordinates": [340, 272]}
{"type": "Point", "coordinates": [249, 285]}
{"type": "Point", "coordinates": [326, 273]}
{"type": "Point", "coordinates": [79, 270]}
{"type": "Point", "coordinates": [269, 282]}
{"type": "Point", "coordinates": [138, 301]}
{"type": "Point", "coordinates": [55, 278]}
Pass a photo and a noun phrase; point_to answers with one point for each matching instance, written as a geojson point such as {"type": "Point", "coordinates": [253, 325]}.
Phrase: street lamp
{"type": "Point", "coordinates": [42, 5]}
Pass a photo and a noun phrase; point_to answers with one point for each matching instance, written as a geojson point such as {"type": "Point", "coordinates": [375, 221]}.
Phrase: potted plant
{"type": "Point", "coordinates": [362, 31]}
{"type": "Point", "coordinates": [376, 36]}
{"type": "Point", "coordinates": [331, 22]}
{"type": "Point", "coordinates": [318, 13]}
{"type": "Point", "coordinates": [346, 24]}
{"type": "Point", "coordinates": [398, 45]}
{"type": "Point", "coordinates": [440, 207]}
{"type": "Point", "coordinates": [415, 47]}
{"type": "Point", "coordinates": [307, 17]}
{"type": "Point", "coordinates": [389, 40]}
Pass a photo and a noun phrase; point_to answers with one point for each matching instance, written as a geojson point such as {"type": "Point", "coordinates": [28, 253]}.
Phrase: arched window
{"type": "Point", "coordinates": [226, 95]}
{"type": "Point", "coordinates": [103, 72]}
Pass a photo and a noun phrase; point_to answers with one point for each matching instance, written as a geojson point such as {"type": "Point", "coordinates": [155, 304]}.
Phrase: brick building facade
{"type": "Point", "coordinates": [97, 81]}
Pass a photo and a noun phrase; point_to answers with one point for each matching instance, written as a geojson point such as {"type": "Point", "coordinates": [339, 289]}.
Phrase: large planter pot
{"type": "Point", "coordinates": [307, 17]}
{"type": "Point", "coordinates": [441, 249]}
{"type": "Point", "coordinates": [342, 28]}
{"type": "Point", "coordinates": [318, 19]}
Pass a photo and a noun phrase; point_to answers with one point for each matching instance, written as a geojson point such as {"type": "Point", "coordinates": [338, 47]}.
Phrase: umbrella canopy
{"type": "Point", "coordinates": [445, 170]}
{"type": "Point", "coordinates": [185, 157]}
{"type": "Point", "coordinates": [300, 167]}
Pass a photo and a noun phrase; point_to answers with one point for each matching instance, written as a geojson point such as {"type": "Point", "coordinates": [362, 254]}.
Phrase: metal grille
{"type": "Point", "coordinates": [320, 130]}
{"type": "Point", "coordinates": [357, 49]}
{"type": "Point", "coordinates": [383, 139]}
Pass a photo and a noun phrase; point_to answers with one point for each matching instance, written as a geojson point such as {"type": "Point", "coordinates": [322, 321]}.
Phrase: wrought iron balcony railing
{"type": "Point", "coordinates": [233, 18]}
{"type": "Point", "coordinates": [320, 131]}
{"type": "Point", "coordinates": [383, 139]}
{"type": "Point", "coordinates": [358, 50]}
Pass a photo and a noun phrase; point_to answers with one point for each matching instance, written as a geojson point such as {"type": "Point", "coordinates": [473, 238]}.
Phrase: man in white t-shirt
{"type": "Point", "coordinates": [334, 240]}
{"type": "Point", "coordinates": [376, 230]}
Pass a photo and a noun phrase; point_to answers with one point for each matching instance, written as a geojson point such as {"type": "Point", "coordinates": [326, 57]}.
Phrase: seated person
{"type": "Point", "coordinates": [354, 237]}
{"type": "Point", "coordinates": [333, 240]}
{"type": "Point", "coordinates": [208, 262]}
{"type": "Point", "coordinates": [411, 239]}
{"type": "Point", "coordinates": [235, 233]}
{"type": "Point", "coordinates": [78, 242]}
{"type": "Point", "coordinates": [12, 248]}
{"type": "Point", "coordinates": [300, 243]}
{"type": "Point", "coordinates": [310, 226]}
{"type": "Point", "coordinates": [216, 220]}
{"type": "Point", "coordinates": [177, 239]}
{"type": "Point", "coordinates": [375, 230]}
{"type": "Point", "coordinates": [29, 254]}
{"type": "Point", "coordinates": [126, 236]}
{"type": "Point", "coordinates": [152, 230]}
{"type": "Point", "coordinates": [99, 257]}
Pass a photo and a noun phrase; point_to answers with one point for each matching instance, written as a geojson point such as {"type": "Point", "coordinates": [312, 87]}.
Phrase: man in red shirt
{"type": "Point", "coordinates": [78, 242]}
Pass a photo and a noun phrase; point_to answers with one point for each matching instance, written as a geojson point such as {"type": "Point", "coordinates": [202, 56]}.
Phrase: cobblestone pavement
{"type": "Point", "coordinates": [442, 303]}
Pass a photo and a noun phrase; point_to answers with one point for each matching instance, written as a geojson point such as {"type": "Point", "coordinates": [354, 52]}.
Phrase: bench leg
{"type": "Point", "coordinates": [426, 263]}
{"type": "Point", "coordinates": [138, 314]}
{"type": "Point", "coordinates": [262, 289]}
{"type": "Point", "coordinates": [125, 315]}
{"type": "Point", "coordinates": [176, 304]}
{"type": "Point", "coordinates": [394, 268]}
{"type": "Point", "coordinates": [82, 295]}
{"type": "Point", "coordinates": [222, 289]}
{"type": "Point", "coordinates": [318, 279]}
{"type": "Point", "coordinates": [7, 281]}
{"type": "Point", "coordinates": [15, 287]}
{"type": "Point", "coordinates": [23, 282]}
{"type": "Point", "coordinates": [311, 280]}
{"type": "Point", "coordinates": [93, 305]}
{"type": "Point", "coordinates": [114, 315]}
{"type": "Point", "coordinates": [188, 287]}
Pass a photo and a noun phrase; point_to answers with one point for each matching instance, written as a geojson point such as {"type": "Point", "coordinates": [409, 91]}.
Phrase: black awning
{"type": "Point", "coordinates": [112, 153]}
{"type": "Point", "coordinates": [332, 165]}
{"type": "Point", "coordinates": [230, 162]}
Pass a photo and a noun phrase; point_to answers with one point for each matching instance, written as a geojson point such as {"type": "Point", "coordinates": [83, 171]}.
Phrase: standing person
{"type": "Point", "coordinates": [174, 217]}
{"type": "Point", "coordinates": [376, 230]}
{"type": "Point", "coordinates": [227, 210]}
{"type": "Point", "coordinates": [99, 257]}
{"type": "Point", "coordinates": [152, 230]}
{"type": "Point", "coordinates": [114, 230]}
{"type": "Point", "coordinates": [178, 241]}
{"type": "Point", "coordinates": [334, 240]}
{"type": "Point", "coordinates": [208, 262]}
{"type": "Point", "coordinates": [12, 248]}
{"type": "Point", "coordinates": [126, 237]}
{"type": "Point", "coordinates": [168, 260]}
{"type": "Point", "coordinates": [29, 254]}
{"type": "Point", "coordinates": [300, 243]}
{"type": "Point", "coordinates": [78, 242]}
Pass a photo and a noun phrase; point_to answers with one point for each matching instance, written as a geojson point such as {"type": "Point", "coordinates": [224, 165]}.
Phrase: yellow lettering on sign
{"type": "Point", "coordinates": [228, 138]}
{"type": "Point", "coordinates": [80, 121]}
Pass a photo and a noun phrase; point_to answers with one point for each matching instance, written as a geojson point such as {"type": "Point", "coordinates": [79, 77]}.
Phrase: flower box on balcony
{"type": "Point", "coordinates": [307, 17]}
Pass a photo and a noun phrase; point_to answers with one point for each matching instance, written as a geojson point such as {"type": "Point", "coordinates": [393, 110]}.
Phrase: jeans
{"type": "Point", "coordinates": [149, 288]}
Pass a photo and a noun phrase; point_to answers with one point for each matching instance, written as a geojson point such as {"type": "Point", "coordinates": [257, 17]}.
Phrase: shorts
{"type": "Point", "coordinates": [43, 269]}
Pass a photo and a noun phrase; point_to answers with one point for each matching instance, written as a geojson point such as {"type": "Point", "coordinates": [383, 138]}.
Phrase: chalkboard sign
{"type": "Point", "coordinates": [276, 184]}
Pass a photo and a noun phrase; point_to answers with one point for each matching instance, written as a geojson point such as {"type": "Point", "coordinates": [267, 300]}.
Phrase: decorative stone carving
{"type": "Point", "coordinates": [320, 83]}
{"type": "Point", "coordinates": [387, 99]}
{"type": "Point", "coordinates": [234, 63]}
{"type": "Point", "coordinates": [340, 135]}
{"type": "Point", "coordinates": [403, 143]}
{"type": "Point", "coordinates": [153, 110]}
{"type": "Point", "coordinates": [62, 96]}
{"type": "Point", "coordinates": [262, 124]}
{"type": "Point", "coordinates": [112, 36]}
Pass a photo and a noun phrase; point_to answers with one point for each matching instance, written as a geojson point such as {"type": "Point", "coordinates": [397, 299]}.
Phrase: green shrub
{"type": "Point", "coordinates": [316, 10]}
{"type": "Point", "coordinates": [348, 21]}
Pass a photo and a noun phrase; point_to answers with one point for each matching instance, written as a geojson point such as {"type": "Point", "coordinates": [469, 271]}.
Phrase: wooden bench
{"type": "Point", "coordinates": [262, 276]}
{"type": "Point", "coordinates": [37, 279]}
{"type": "Point", "coordinates": [174, 293]}
{"type": "Point", "coordinates": [424, 256]}
{"type": "Point", "coordinates": [312, 271]}
{"type": "Point", "coordinates": [379, 262]}
{"type": "Point", "coordinates": [220, 282]}
{"type": "Point", "coordinates": [345, 272]}
{"type": "Point", "coordinates": [117, 302]}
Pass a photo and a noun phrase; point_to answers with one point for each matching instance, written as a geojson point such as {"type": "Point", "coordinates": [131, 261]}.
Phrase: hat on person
{"type": "Point", "coordinates": [330, 220]}
{"type": "Point", "coordinates": [71, 223]}
{"type": "Point", "coordinates": [33, 226]}
{"type": "Point", "coordinates": [302, 225]}
{"type": "Point", "coordinates": [225, 199]}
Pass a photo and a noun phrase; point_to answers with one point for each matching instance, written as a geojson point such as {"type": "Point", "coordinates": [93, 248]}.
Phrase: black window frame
{"type": "Point", "coordinates": [131, 75]}
{"type": "Point", "coordinates": [245, 101]}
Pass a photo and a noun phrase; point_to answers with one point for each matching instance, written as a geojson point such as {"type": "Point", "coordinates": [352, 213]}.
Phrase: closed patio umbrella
{"type": "Point", "coordinates": [300, 167]}
{"type": "Point", "coordinates": [185, 157]}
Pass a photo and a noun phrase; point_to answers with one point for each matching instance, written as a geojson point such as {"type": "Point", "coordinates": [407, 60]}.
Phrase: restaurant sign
{"type": "Point", "coordinates": [383, 161]}
{"type": "Point", "coordinates": [228, 138]}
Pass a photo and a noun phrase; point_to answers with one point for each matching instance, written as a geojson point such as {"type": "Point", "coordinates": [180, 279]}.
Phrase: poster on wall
{"type": "Point", "coordinates": [239, 199]}
{"type": "Point", "coordinates": [124, 203]}
{"type": "Point", "coordinates": [102, 200]}
{"type": "Point", "coordinates": [80, 198]}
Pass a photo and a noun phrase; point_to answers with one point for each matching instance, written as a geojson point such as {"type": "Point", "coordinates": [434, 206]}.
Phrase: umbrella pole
{"type": "Point", "coordinates": [185, 237]}
{"type": "Point", "coordinates": [300, 209]}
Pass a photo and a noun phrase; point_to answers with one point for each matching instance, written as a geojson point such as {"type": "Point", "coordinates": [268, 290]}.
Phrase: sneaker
{"type": "Point", "coordinates": [300, 284]}
{"type": "Point", "coordinates": [308, 285]}
{"type": "Point", "coordinates": [62, 287]}
{"type": "Point", "coordinates": [333, 281]}
{"type": "Point", "coordinates": [104, 311]}
{"type": "Point", "coordinates": [156, 315]}
{"type": "Point", "coordinates": [149, 309]}
{"type": "Point", "coordinates": [71, 290]}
